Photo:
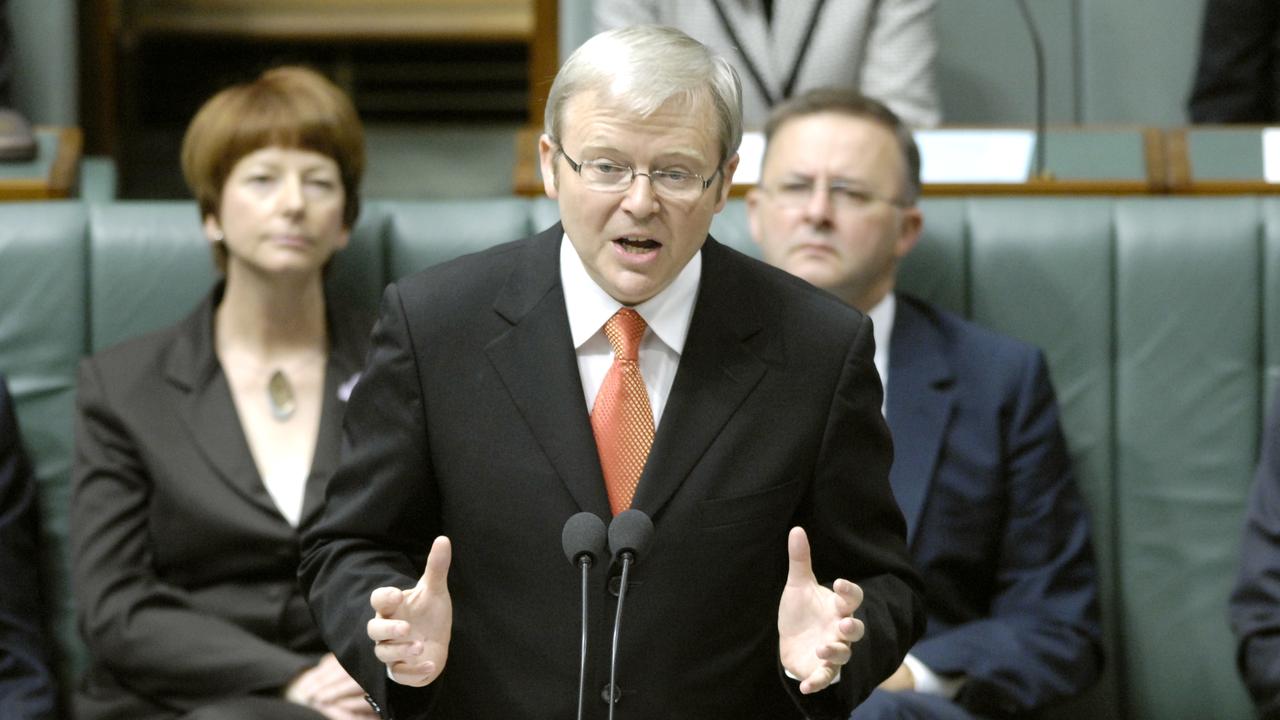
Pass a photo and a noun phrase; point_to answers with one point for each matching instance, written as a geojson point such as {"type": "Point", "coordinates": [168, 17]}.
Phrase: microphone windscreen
{"type": "Point", "coordinates": [583, 535]}
{"type": "Point", "coordinates": [630, 532]}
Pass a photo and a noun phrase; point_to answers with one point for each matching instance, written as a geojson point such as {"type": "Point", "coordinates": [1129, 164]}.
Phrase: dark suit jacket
{"type": "Point", "coordinates": [469, 421]}
{"type": "Point", "coordinates": [995, 522]}
{"type": "Point", "coordinates": [1255, 602]}
{"type": "Point", "coordinates": [184, 570]}
{"type": "Point", "coordinates": [1238, 76]}
{"type": "Point", "coordinates": [26, 683]}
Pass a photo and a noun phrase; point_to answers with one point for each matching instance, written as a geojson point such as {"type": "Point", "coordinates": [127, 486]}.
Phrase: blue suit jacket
{"type": "Point", "coordinates": [995, 523]}
{"type": "Point", "coordinates": [26, 684]}
{"type": "Point", "coordinates": [1254, 615]}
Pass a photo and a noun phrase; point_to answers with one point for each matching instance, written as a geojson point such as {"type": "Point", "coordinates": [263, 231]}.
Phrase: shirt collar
{"type": "Point", "coordinates": [668, 313]}
{"type": "Point", "coordinates": [882, 316]}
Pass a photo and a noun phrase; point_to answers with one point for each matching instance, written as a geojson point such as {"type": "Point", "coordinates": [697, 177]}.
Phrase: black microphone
{"type": "Point", "coordinates": [1041, 120]}
{"type": "Point", "coordinates": [629, 536]}
{"type": "Point", "coordinates": [583, 540]}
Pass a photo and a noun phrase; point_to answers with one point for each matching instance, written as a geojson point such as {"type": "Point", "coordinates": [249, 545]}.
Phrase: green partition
{"type": "Point", "coordinates": [1188, 301]}
{"type": "Point", "coordinates": [1270, 330]}
{"type": "Point", "coordinates": [127, 236]}
{"type": "Point", "coordinates": [422, 234]}
{"type": "Point", "coordinates": [1041, 271]}
{"type": "Point", "coordinates": [42, 337]}
{"type": "Point", "coordinates": [937, 270]}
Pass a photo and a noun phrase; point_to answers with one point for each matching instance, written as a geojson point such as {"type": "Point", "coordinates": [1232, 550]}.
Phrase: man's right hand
{"type": "Point", "coordinates": [411, 628]}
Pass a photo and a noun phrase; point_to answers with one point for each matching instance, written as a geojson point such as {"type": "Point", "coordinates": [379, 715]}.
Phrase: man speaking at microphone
{"type": "Point", "coordinates": [620, 359]}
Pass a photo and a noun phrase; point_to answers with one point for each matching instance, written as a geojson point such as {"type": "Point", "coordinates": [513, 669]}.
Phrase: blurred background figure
{"type": "Point", "coordinates": [1255, 603]}
{"type": "Point", "coordinates": [884, 48]}
{"type": "Point", "coordinates": [1238, 77]}
{"type": "Point", "coordinates": [995, 522]}
{"type": "Point", "coordinates": [202, 450]}
{"type": "Point", "coordinates": [26, 682]}
{"type": "Point", "coordinates": [6, 56]}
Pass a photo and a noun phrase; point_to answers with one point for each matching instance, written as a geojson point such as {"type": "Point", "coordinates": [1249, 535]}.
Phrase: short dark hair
{"type": "Point", "coordinates": [291, 106]}
{"type": "Point", "coordinates": [842, 101]}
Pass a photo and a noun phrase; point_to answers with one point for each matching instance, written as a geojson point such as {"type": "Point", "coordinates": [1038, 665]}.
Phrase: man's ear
{"type": "Point", "coordinates": [726, 181]}
{"type": "Point", "coordinates": [547, 151]}
{"type": "Point", "coordinates": [909, 231]}
{"type": "Point", "coordinates": [753, 210]}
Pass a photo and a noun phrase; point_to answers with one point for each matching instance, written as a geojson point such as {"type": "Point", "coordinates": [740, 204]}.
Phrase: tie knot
{"type": "Point", "coordinates": [624, 331]}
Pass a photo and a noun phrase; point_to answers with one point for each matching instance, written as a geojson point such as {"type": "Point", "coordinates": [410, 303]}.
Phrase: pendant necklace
{"type": "Point", "coordinates": [280, 396]}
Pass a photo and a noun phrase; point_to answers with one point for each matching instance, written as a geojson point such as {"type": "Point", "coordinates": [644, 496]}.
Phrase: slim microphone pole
{"type": "Point", "coordinates": [1041, 112]}
{"type": "Point", "coordinates": [629, 535]}
{"type": "Point", "coordinates": [583, 540]}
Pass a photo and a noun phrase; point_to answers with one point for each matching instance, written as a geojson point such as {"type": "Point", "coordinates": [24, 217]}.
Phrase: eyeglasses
{"type": "Point", "coordinates": [605, 176]}
{"type": "Point", "coordinates": [842, 195]}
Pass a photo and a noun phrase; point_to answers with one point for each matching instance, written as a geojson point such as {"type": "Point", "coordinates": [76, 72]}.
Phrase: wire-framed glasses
{"type": "Point", "coordinates": [798, 192]}
{"type": "Point", "coordinates": [607, 176]}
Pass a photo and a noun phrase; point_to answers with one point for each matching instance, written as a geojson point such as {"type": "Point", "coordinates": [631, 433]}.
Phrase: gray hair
{"type": "Point", "coordinates": [642, 67]}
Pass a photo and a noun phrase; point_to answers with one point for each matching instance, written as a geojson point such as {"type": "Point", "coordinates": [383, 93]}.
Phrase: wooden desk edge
{"type": "Point", "coordinates": [65, 167]}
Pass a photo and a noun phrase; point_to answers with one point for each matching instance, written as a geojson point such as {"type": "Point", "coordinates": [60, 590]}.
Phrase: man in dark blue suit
{"type": "Point", "coordinates": [26, 684]}
{"type": "Point", "coordinates": [1255, 603]}
{"type": "Point", "coordinates": [996, 525]}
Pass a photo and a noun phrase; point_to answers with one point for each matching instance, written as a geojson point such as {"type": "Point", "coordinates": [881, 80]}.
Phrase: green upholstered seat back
{"type": "Point", "coordinates": [1159, 318]}
{"type": "Point", "coordinates": [42, 337]}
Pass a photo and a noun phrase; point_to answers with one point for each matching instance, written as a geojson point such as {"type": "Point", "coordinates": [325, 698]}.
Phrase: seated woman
{"type": "Point", "coordinates": [203, 450]}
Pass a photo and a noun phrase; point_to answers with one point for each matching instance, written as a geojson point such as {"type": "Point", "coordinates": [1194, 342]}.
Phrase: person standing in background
{"type": "Point", "coordinates": [885, 49]}
{"type": "Point", "coordinates": [1238, 76]}
{"type": "Point", "coordinates": [6, 56]}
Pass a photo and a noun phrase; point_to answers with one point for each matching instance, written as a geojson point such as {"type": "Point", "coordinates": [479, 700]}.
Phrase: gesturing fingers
{"type": "Point", "coordinates": [848, 596]}
{"type": "Point", "coordinates": [818, 680]}
{"type": "Point", "coordinates": [800, 564]}
{"type": "Point", "coordinates": [411, 628]}
{"type": "Point", "coordinates": [435, 578]}
{"type": "Point", "coordinates": [386, 601]}
{"type": "Point", "coordinates": [850, 629]}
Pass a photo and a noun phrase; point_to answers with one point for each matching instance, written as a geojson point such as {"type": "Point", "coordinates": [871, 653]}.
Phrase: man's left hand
{"type": "Point", "coordinates": [816, 627]}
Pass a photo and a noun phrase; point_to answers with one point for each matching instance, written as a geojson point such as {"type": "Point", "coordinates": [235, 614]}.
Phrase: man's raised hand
{"type": "Point", "coordinates": [411, 628]}
{"type": "Point", "coordinates": [816, 627]}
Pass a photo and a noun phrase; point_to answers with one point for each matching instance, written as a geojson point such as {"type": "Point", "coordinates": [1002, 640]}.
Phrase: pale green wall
{"type": "Point", "coordinates": [986, 66]}
{"type": "Point", "coordinates": [1110, 61]}
{"type": "Point", "coordinates": [1139, 57]}
{"type": "Point", "coordinates": [45, 73]}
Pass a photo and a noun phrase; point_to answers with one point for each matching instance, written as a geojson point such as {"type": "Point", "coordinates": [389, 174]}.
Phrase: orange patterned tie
{"type": "Point", "coordinates": [621, 417]}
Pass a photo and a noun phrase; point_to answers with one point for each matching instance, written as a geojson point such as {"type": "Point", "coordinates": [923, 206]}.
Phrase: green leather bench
{"type": "Point", "coordinates": [1159, 317]}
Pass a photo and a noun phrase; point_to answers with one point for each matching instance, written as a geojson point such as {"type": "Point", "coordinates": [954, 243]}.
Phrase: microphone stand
{"type": "Point", "coordinates": [617, 624]}
{"type": "Point", "coordinates": [583, 539]}
{"type": "Point", "coordinates": [1040, 173]}
{"type": "Point", "coordinates": [585, 564]}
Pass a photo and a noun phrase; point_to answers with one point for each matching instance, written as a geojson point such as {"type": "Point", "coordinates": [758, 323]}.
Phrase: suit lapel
{"type": "Point", "coordinates": [721, 363]}
{"type": "Point", "coordinates": [919, 405]}
{"type": "Point", "coordinates": [536, 361]}
{"type": "Point", "coordinates": [787, 47]}
{"type": "Point", "coordinates": [755, 44]}
{"type": "Point", "coordinates": [208, 410]}
{"type": "Point", "coordinates": [348, 341]}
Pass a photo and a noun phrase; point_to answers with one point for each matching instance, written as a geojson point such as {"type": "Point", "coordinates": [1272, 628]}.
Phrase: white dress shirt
{"type": "Point", "coordinates": [667, 314]}
{"type": "Point", "coordinates": [882, 316]}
